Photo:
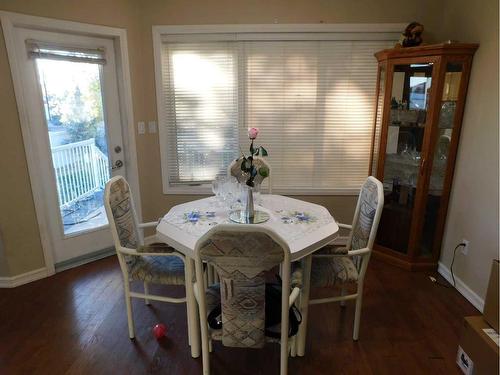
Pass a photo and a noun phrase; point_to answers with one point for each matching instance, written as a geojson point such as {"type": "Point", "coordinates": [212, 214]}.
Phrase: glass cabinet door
{"type": "Point", "coordinates": [445, 129]}
{"type": "Point", "coordinates": [411, 88]}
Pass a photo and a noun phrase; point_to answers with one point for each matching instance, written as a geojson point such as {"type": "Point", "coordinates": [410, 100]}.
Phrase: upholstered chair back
{"type": "Point", "coordinates": [370, 204]}
{"type": "Point", "coordinates": [234, 170]}
{"type": "Point", "coordinates": [121, 214]}
{"type": "Point", "coordinates": [241, 259]}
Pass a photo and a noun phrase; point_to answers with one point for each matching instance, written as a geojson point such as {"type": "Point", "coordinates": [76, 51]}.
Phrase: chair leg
{"type": "Point", "coordinates": [194, 327]}
{"type": "Point", "coordinates": [293, 346]}
{"type": "Point", "coordinates": [210, 275]}
{"type": "Point", "coordinates": [304, 306]}
{"type": "Point", "coordinates": [216, 277]}
{"type": "Point", "coordinates": [128, 303]}
{"type": "Point", "coordinates": [188, 318]}
{"type": "Point", "coordinates": [146, 292]}
{"type": "Point", "coordinates": [342, 294]}
{"type": "Point", "coordinates": [285, 323]}
{"type": "Point", "coordinates": [205, 279]}
{"type": "Point", "coordinates": [202, 309]}
{"type": "Point", "coordinates": [357, 314]}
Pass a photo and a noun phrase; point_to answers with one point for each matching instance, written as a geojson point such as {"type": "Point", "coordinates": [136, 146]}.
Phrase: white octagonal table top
{"type": "Point", "coordinates": [304, 226]}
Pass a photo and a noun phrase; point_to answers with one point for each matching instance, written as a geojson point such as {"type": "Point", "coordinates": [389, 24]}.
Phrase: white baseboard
{"type": "Point", "coordinates": [24, 278]}
{"type": "Point", "coordinates": [462, 288]}
{"type": "Point", "coordinates": [84, 259]}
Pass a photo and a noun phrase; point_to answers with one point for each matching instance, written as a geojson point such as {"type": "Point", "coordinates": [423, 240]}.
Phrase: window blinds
{"type": "Point", "coordinates": [201, 110]}
{"type": "Point", "coordinates": [43, 50]}
{"type": "Point", "coordinates": [313, 101]}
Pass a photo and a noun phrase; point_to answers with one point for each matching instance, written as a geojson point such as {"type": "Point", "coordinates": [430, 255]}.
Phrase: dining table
{"type": "Point", "coordinates": [305, 227]}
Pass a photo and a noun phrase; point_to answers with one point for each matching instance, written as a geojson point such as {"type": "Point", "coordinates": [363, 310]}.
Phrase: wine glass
{"type": "Point", "coordinates": [257, 193]}
{"type": "Point", "coordinates": [217, 188]}
{"type": "Point", "coordinates": [232, 191]}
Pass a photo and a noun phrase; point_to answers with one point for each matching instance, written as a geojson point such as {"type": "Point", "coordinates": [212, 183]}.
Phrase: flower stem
{"type": "Point", "coordinates": [250, 179]}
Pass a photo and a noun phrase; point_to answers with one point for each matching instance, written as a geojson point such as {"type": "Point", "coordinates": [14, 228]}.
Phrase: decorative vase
{"type": "Point", "coordinates": [249, 208]}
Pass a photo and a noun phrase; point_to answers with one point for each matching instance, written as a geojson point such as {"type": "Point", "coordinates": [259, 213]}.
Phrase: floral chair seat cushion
{"type": "Point", "coordinates": [155, 248]}
{"type": "Point", "coordinates": [329, 271]}
{"type": "Point", "coordinates": [333, 249]}
{"type": "Point", "coordinates": [167, 270]}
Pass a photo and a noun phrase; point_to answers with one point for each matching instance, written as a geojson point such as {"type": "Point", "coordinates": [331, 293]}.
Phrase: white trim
{"type": "Point", "coordinates": [461, 287]}
{"type": "Point", "coordinates": [206, 189]}
{"type": "Point", "coordinates": [282, 28]}
{"type": "Point", "coordinates": [162, 133]}
{"type": "Point", "coordinates": [24, 278]}
{"type": "Point", "coordinates": [88, 258]}
{"type": "Point", "coordinates": [11, 20]}
{"type": "Point", "coordinates": [351, 31]}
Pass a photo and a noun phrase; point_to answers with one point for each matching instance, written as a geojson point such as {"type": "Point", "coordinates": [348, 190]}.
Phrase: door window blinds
{"type": "Point", "coordinates": [43, 50]}
{"type": "Point", "coordinates": [313, 101]}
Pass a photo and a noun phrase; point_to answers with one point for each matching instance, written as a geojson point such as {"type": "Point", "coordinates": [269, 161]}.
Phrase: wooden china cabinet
{"type": "Point", "coordinates": [420, 102]}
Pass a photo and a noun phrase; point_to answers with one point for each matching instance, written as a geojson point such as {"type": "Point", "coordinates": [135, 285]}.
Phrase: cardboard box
{"type": "Point", "coordinates": [490, 311]}
{"type": "Point", "coordinates": [481, 351]}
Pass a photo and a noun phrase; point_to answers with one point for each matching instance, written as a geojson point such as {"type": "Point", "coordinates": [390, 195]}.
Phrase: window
{"type": "Point", "coordinates": [312, 96]}
{"type": "Point", "coordinates": [201, 109]}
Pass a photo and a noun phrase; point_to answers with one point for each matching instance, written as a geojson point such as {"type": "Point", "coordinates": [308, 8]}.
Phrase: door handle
{"type": "Point", "coordinates": [118, 165]}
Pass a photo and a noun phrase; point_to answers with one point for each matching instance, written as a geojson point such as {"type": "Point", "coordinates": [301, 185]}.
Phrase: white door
{"type": "Point", "coordinates": [71, 90]}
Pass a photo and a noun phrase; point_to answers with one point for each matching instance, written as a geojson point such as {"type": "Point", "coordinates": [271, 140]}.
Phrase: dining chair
{"type": "Point", "coordinates": [345, 265]}
{"type": "Point", "coordinates": [234, 169]}
{"type": "Point", "coordinates": [151, 264]}
{"type": "Point", "coordinates": [241, 253]}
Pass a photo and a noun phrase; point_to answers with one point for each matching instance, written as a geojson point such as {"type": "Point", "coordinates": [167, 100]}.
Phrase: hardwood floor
{"type": "Point", "coordinates": [75, 323]}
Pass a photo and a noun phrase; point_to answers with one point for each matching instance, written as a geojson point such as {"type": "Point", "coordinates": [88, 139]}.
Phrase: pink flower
{"type": "Point", "coordinates": [253, 132]}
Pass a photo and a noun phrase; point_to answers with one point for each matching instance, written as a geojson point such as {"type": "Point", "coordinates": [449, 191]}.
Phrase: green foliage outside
{"type": "Point", "coordinates": [80, 114]}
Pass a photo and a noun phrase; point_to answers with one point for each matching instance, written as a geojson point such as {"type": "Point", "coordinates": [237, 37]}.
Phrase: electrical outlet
{"type": "Point", "coordinates": [465, 248]}
{"type": "Point", "coordinates": [141, 127]}
{"type": "Point", "coordinates": [152, 127]}
{"type": "Point", "coordinates": [464, 362]}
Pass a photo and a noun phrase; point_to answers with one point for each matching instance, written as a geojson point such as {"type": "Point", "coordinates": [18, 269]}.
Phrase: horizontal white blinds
{"type": "Point", "coordinates": [314, 104]}
{"type": "Point", "coordinates": [201, 110]}
{"type": "Point", "coordinates": [312, 100]}
{"type": "Point", "coordinates": [44, 50]}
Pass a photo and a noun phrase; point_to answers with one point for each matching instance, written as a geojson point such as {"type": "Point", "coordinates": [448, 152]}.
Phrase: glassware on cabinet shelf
{"type": "Point", "coordinates": [407, 124]}
{"type": "Point", "coordinates": [440, 159]}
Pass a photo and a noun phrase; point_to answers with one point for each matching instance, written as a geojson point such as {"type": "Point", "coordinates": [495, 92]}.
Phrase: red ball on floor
{"type": "Point", "coordinates": [159, 330]}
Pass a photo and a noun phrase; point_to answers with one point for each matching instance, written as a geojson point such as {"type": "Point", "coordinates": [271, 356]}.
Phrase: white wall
{"type": "Point", "coordinates": [473, 209]}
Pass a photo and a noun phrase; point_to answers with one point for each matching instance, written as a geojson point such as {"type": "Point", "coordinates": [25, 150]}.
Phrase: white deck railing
{"type": "Point", "coordinates": [81, 169]}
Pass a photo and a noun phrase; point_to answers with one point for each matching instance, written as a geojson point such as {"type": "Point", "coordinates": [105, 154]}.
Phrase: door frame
{"type": "Point", "coordinates": [10, 21]}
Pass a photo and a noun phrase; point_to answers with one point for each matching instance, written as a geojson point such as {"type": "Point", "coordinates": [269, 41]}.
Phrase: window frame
{"type": "Point", "coordinates": [200, 33]}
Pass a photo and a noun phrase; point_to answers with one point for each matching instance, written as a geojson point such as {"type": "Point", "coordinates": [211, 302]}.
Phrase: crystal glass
{"type": "Point", "coordinates": [257, 194]}
{"type": "Point", "coordinates": [217, 188]}
{"type": "Point", "coordinates": [446, 128]}
{"type": "Point", "coordinates": [411, 92]}
{"type": "Point", "coordinates": [231, 190]}
{"type": "Point", "coordinates": [225, 190]}
{"type": "Point", "coordinates": [238, 196]}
